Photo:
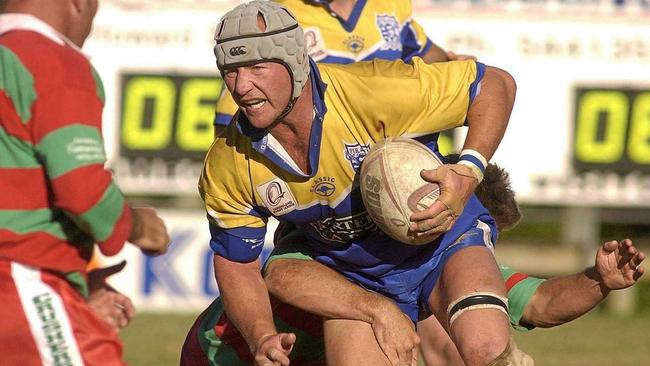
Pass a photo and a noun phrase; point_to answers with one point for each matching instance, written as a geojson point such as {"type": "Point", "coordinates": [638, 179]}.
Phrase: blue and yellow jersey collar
{"type": "Point", "coordinates": [261, 141]}
{"type": "Point", "coordinates": [352, 21]}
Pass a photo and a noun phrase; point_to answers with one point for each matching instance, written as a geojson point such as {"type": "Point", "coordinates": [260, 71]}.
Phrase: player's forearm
{"type": "Point", "coordinates": [316, 288]}
{"type": "Point", "coordinates": [245, 298]}
{"type": "Point", "coordinates": [489, 113]}
{"type": "Point", "coordinates": [562, 299]}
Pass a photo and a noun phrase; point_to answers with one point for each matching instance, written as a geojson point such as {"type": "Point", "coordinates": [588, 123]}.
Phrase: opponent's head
{"type": "Point", "coordinates": [72, 18]}
{"type": "Point", "coordinates": [241, 41]}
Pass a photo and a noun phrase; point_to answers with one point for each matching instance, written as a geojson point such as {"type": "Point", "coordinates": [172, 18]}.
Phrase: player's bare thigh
{"type": "Point", "coordinates": [436, 348]}
{"type": "Point", "coordinates": [481, 335]}
{"type": "Point", "coordinates": [352, 343]}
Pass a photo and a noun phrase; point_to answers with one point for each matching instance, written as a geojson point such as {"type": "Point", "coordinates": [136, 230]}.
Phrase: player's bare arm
{"type": "Point", "coordinates": [247, 304]}
{"type": "Point", "coordinates": [487, 118]}
{"type": "Point", "coordinates": [562, 299]}
{"type": "Point", "coordinates": [324, 292]}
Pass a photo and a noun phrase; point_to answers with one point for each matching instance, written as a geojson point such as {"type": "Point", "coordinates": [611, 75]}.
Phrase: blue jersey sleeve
{"type": "Point", "coordinates": [414, 41]}
{"type": "Point", "coordinates": [239, 244]}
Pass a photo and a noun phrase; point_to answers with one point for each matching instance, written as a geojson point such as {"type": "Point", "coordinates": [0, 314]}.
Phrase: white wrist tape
{"type": "Point", "coordinates": [475, 161]}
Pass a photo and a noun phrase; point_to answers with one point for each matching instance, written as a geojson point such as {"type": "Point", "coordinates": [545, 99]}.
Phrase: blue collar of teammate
{"type": "Point", "coordinates": [260, 137]}
{"type": "Point", "coordinates": [352, 21]}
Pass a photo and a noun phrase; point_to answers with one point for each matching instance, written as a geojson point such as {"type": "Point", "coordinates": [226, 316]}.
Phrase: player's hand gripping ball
{"type": "Point", "coordinates": [392, 189]}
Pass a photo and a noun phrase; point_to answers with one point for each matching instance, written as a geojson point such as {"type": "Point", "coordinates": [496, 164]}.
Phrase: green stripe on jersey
{"type": "Point", "coordinates": [79, 282]}
{"type": "Point", "coordinates": [506, 271]}
{"type": "Point", "coordinates": [53, 222]}
{"type": "Point", "coordinates": [519, 296]}
{"type": "Point", "coordinates": [16, 153]}
{"type": "Point", "coordinates": [71, 147]}
{"type": "Point", "coordinates": [101, 218]}
{"type": "Point", "coordinates": [99, 85]}
{"type": "Point", "coordinates": [17, 82]}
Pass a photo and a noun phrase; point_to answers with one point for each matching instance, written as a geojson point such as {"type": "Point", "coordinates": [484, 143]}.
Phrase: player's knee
{"type": "Point", "coordinates": [486, 352]}
{"type": "Point", "coordinates": [512, 356]}
{"type": "Point", "coordinates": [484, 347]}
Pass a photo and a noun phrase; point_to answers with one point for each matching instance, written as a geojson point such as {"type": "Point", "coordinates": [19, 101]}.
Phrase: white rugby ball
{"type": "Point", "coordinates": [392, 189]}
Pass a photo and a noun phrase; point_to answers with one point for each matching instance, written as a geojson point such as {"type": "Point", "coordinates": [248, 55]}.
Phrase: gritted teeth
{"type": "Point", "coordinates": [258, 104]}
{"type": "Point", "coordinates": [255, 104]}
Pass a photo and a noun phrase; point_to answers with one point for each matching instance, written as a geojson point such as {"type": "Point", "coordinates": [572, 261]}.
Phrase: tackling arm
{"type": "Point", "coordinates": [246, 301]}
{"type": "Point", "coordinates": [313, 287]}
{"type": "Point", "coordinates": [562, 299]}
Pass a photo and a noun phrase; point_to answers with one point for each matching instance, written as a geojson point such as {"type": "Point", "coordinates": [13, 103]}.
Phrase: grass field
{"type": "Point", "coordinates": [594, 340]}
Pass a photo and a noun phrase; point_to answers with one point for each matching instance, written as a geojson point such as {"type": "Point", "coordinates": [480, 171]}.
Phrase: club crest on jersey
{"type": "Point", "coordinates": [315, 43]}
{"type": "Point", "coordinates": [355, 153]}
{"type": "Point", "coordinates": [390, 29]}
{"type": "Point", "coordinates": [354, 43]}
{"type": "Point", "coordinates": [323, 186]}
{"type": "Point", "coordinates": [277, 197]}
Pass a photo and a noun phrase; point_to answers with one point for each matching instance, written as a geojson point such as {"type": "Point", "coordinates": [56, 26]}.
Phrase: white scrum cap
{"type": "Point", "coordinates": [240, 42]}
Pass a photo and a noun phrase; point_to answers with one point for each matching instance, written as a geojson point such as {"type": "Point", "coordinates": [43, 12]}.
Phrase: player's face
{"type": "Point", "coordinates": [262, 91]}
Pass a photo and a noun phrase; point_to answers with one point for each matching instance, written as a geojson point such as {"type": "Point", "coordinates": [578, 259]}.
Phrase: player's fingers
{"type": "Point", "coordinates": [626, 257]}
{"type": "Point", "coordinates": [431, 223]}
{"type": "Point", "coordinates": [627, 242]}
{"type": "Point", "coordinates": [391, 353]}
{"type": "Point", "coordinates": [638, 273]}
{"type": "Point", "coordinates": [438, 229]}
{"type": "Point", "coordinates": [276, 355]}
{"type": "Point", "coordinates": [405, 356]}
{"type": "Point", "coordinates": [640, 257]}
{"type": "Point", "coordinates": [436, 209]}
{"type": "Point", "coordinates": [287, 341]}
{"type": "Point", "coordinates": [434, 175]}
{"type": "Point", "coordinates": [610, 246]}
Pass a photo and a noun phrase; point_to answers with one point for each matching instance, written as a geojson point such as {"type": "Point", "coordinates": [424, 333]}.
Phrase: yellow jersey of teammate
{"type": "Point", "coordinates": [375, 29]}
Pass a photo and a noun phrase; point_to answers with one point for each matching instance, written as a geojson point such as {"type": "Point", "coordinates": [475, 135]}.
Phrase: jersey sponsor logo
{"type": "Point", "coordinates": [354, 43]}
{"type": "Point", "coordinates": [355, 153]}
{"type": "Point", "coordinates": [323, 186]}
{"type": "Point", "coordinates": [315, 44]}
{"type": "Point", "coordinates": [277, 197]}
{"type": "Point", "coordinates": [86, 149]}
{"type": "Point", "coordinates": [237, 51]}
{"type": "Point", "coordinates": [254, 243]}
{"type": "Point", "coordinates": [389, 28]}
{"type": "Point", "coordinates": [342, 230]}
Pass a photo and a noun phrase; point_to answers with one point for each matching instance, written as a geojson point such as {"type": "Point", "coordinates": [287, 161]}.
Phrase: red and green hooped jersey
{"type": "Point", "coordinates": [520, 289]}
{"type": "Point", "coordinates": [56, 198]}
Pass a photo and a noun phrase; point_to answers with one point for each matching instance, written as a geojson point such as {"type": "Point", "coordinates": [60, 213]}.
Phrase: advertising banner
{"type": "Point", "coordinates": [579, 132]}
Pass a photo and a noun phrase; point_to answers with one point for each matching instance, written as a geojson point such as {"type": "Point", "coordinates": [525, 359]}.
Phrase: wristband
{"type": "Point", "coordinates": [475, 161]}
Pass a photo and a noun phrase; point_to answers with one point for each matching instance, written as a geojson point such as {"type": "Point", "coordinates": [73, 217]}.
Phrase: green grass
{"type": "Point", "coordinates": [593, 340]}
{"type": "Point", "coordinates": [155, 339]}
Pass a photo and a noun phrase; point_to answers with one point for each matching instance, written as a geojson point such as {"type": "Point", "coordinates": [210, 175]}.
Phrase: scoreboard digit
{"type": "Point", "coordinates": [612, 130]}
{"type": "Point", "coordinates": [167, 116]}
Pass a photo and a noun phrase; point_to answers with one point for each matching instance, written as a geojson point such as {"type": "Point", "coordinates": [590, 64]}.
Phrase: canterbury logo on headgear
{"type": "Point", "coordinates": [237, 51]}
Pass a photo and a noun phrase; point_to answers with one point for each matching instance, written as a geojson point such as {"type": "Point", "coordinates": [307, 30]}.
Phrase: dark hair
{"type": "Point", "coordinates": [496, 194]}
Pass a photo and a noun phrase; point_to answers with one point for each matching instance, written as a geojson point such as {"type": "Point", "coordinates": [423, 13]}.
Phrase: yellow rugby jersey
{"type": "Point", "coordinates": [248, 176]}
{"type": "Point", "coordinates": [375, 29]}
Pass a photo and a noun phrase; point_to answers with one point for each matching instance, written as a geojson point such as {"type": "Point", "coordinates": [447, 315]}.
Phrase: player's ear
{"type": "Point", "coordinates": [80, 7]}
{"type": "Point", "coordinates": [76, 6]}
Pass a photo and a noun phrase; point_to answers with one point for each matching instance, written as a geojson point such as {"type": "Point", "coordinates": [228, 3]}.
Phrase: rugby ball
{"type": "Point", "coordinates": [392, 189]}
